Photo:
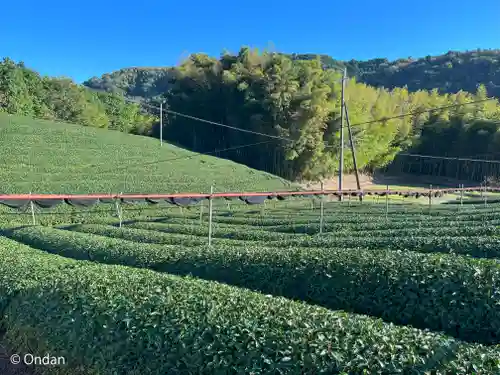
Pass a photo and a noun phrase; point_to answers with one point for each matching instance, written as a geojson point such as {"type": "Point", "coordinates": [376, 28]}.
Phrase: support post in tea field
{"type": "Point", "coordinates": [461, 195]}
{"type": "Point", "coordinates": [210, 209]}
{"type": "Point", "coordinates": [387, 203]}
{"type": "Point", "coordinates": [430, 198]}
{"type": "Point", "coordinates": [321, 209]}
{"type": "Point", "coordinates": [118, 211]}
{"type": "Point", "coordinates": [485, 197]}
{"type": "Point", "coordinates": [201, 212]}
{"type": "Point", "coordinates": [32, 211]}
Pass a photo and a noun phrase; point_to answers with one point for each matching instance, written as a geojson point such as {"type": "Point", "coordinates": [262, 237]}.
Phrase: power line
{"type": "Point", "coordinates": [186, 157]}
{"type": "Point", "coordinates": [383, 119]}
{"type": "Point", "coordinates": [450, 158]}
{"type": "Point", "coordinates": [227, 126]}
{"type": "Point", "coordinates": [422, 111]}
{"type": "Point", "coordinates": [201, 119]}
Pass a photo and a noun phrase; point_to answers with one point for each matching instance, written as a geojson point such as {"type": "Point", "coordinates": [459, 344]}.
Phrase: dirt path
{"type": "Point", "coordinates": [379, 181]}
{"type": "Point", "coordinates": [349, 182]}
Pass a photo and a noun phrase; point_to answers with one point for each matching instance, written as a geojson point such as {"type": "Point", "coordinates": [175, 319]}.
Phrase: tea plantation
{"type": "Point", "coordinates": [415, 290]}
{"type": "Point", "coordinates": [48, 157]}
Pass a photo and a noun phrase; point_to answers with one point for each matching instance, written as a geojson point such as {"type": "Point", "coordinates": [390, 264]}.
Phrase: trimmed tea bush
{"type": "Point", "coordinates": [454, 294]}
{"type": "Point", "coordinates": [113, 319]}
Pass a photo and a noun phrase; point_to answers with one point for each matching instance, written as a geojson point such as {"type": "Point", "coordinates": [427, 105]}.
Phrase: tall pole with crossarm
{"type": "Point", "coordinates": [341, 160]}
{"type": "Point", "coordinates": [161, 124]}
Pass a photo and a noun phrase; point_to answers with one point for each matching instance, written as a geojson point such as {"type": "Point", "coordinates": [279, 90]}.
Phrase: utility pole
{"type": "Point", "coordinates": [354, 161]}
{"type": "Point", "coordinates": [161, 124]}
{"type": "Point", "coordinates": [342, 103]}
{"type": "Point", "coordinates": [322, 208]}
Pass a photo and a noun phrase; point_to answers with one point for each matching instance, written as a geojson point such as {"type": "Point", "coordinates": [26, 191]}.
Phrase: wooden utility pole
{"type": "Point", "coordinates": [161, 124]}
{"type": "Point", "coordinates": [341, 160]}
{"type": "Point", "coordinates": [351, 142]}
{"type": "Point", "coordinates": [322, 208]}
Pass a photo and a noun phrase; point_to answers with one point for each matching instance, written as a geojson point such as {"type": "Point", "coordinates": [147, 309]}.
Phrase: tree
{"type": "Point", "coordinates": [25, 92]}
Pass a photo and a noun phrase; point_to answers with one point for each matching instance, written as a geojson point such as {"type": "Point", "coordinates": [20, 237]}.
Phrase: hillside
{"type": "Point", "coordinates": [48, 157]}
{"type": "Point", "coordinates": [134, 82]}
{"type": "Point", "coordinates": [449, 73]}
{"type": "Point", "coordinates": [25, 92]}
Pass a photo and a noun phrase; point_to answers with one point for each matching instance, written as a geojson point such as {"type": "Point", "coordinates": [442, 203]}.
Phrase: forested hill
{"type": "Point", "coordinates": [25, 92]}
{"type": "Point", "coordinates": [449, 73]}
{"type": "Point", "coordinates": [134, 82]}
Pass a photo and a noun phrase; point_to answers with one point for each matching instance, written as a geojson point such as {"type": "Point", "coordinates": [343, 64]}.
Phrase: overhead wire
{"type": "Point", "coordinates": [450, 158]}
{"type": "Point", "coordinates": [382, 119]}
{"type": "Point", "coordinates": [188, 156]}
{"type": "Point", "coordinates": [168, 160]}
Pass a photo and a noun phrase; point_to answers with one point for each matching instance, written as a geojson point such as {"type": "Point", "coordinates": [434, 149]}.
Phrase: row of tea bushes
{"type": "Point", "coordinates": [441, 292]}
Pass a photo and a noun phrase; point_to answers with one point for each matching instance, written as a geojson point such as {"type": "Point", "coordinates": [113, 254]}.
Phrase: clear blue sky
{"type": "Point", "coordinates": [91, 37]}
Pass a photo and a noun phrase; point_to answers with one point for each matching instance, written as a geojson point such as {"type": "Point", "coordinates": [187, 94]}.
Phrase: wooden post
{"type": "Point", "coordinates": [322, 207]}
{"type": "Point", "coordinates": [341, 159]}
{"type": "Point", "coordinates": [118, 212]}
{"type": "Point", "coordinates": [485, 197]}
{"type": "Point", "coordinates": [161, 124]}
{"type": "Point", "coordinates": [430, 197]}
{"type": "Point", "coordinates": [461, 194]}
{"type": "Point", "coordinates": [353, 151]}
{"type": "Point", "coordinates": [387, 203]}
{"type": "Point", "coordinates": [201, 212]}
{"type": "Point", "coordinates": [32, 211]}
{"type": "Point", "coordinates": [210, 209]}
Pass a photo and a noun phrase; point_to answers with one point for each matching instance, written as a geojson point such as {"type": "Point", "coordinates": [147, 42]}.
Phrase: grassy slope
{"type": "Point", "coordinates": [47, 157]}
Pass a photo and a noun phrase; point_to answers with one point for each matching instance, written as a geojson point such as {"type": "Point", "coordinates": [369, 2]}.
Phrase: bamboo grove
{"type": "Point", "coordinates": [300, 100]}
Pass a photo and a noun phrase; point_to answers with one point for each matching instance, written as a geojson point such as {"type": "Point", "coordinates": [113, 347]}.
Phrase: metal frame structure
{"type": "Point", "coordinates": [353, 192]}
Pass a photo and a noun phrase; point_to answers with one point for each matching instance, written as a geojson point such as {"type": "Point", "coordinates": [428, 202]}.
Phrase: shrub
{"type": "Point", "coordinates": [113, 319]}
{"type": "Point", "coordinates": [451, 293]}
